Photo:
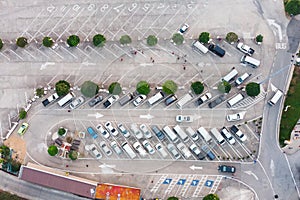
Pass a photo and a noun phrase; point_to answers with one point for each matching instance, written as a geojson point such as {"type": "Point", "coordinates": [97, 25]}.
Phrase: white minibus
{"type": "Point", "coordinates": [275, 98]}
{"type": "Point", "coordinates": [199, 47]}
{"type": "Point", "coordinates": [173, 137]}
{"type": "Point", "coordinates": [155, 98]}
{"type": "Point", "coordinates": [235, 100]}
{"type": "Point", "coordinates": [128, 150]}
{"type": "Point", "coordinates": [205, 135]}
{"type": "Point", "coordinates": [230, 76]}
{"type": "Point", "coordinates": [181, 133]}
{"type": "Point", "coordinates": [218, 136]}
{"type": "Point", "coordinates": [250, 61]}
{"type": "Point", "coordinates": [66, 99]}
{"type": "Point", "coordinates": [184, 100]}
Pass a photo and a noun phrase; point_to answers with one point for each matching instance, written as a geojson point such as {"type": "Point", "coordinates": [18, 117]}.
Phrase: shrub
{"type": "Point", "coordinates": [62, 87]}
{"type": "Point", "coordinates": [73, 40]}
{"type": "Point", "coordinates": [52, 150]}
{"type": "Point", "coordinates": [143, 87]}
{"type": "Point", "coordinates": [151, 40]}
{"type": "Point", "coordinates": [48, 42]}
{"type": "Point", "coordinates": [21, 42]}
{"type": "Point", "coordinates": [22, 114]}
{"type": "Point", "coordinates": [61, 131]}
{"type": "Point", "coordinates": [224, 87]}
{"type": "Point", "coordinates": [89, 89]}
{"type": "Point", "coordinates": [177, 39]}
{"type": "Point", "coordinates": [232, 37]}
{"type": "Point", "coordinates": [173, 198]}
{"type": "Point", "coordinates": [115, 88]}
{"type": "Point", "coordinates": [252, 89]}
{"type": "Point", "coordinates": [292, 7]}
{"type": "Point", "coordinates": [259, 38]}
{"type": "Point", "coordinates": [73, 155]}
{"type": "Point", "coordinates": [197, 87]}
{"type": "Point", "coordinates": [204, 37]}
{"type": "Point", "coordinates": [211, 197]}
{"type": "Point", "coordinates": [169, 87]}
{"type": "Point", "coordinates": [99, 40]}
{"type": "Point", "coordinates": [125, 39]}
{"type": "Point", "coordinates": [15, 166]}
{"type": "Point", "coordinates": [39, 92]}
{"type": "Point", "coordinates": [1, 44]}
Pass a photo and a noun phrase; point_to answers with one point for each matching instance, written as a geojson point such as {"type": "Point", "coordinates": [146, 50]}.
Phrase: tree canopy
{"type": "Point", "coordinates": [52, 150]}
{"type": "Point", "coordinates": [173, 198]}
{"type": "Point", "coordinates": [211, 197]}
{"type": "Point", "coordinates": [259, 38]}
{"type": "Point", "coordinates": [125, 39]}
{"type": "Point", "coordinates": [292, 7]}
{"type": "Point", "coordinates": [232, 37]}
{"type": "Point", "coordinates": [89, 89]}
{"type": "Point", "coordinates": [143, 87]}
{"type": "Point", "coordinates": [1, 44]}
{"type": "Point", "coordinates": [73, 40]}
{"type": "Point", "coordinates": [252, 89]}
{"type": "Point", "coordinates": [177, 39]}
{"type": "Point", "coordinates": [151, 40]}
{"type": "Point", "coordinates": [62, 87]}
{"type": "Point", "coordinates": [21, 42]}
{"type": "Point", "coordinates": [197, 87]}
{"type": "Point", "coordinates": [224, 87]}
{"type": "Point", "coordinates": [61, 131]}
{"type": "Point", "coordinates": [204, 37]}
{"type": "Point", "coordinates": [169, 87]}
{"type": "Point", "coordinates": [73, 155]}
{"type": "Point", "coordinates": [22, 114]}
{"type": "Point", "coordinates": [115, 88]}
{"type": "Point", "coordinates": [48, 42]}
{"type": "Point", "coordinates": [99, 40]}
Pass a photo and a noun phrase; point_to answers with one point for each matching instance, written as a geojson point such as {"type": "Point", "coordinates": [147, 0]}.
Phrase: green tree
{"type": "Point", "coordinates": [252, 89]}
{"type": "Point", "coordinates": [21, 42]}
{"type": "Point", "coordinates": [173, 198]}
{"type": "Point", "coordinates": [89, 89]}
{"type": "Point", "coordinates": [151, 40]}
{"type": "Point", "coordinates": [39, 92]}
{"type": "Point", "coordinates": [125, 39]}
{"type": "Point", "coordinates": [259, 38]}
{"type": "Point", "coordinates": [1, 44]}
{"type": "Point", "coordinates": [62, 87]}
{"type": "Point", "coordinates": [204, 37]}
{"type": "Point", "coordinates": [52, 150]}
{"type": "Point", "coordinates": [169, 87]}
{"type": "Point", "coordinates": [115, 88]}
{"type": "Point", "coordinates": [232, 37]}
{"type": "Point", "coordinates": [8, 196]}
{"type": "Point", "coordinates": [22, 114]}
{"type": "Point", "coordinates": [73, 40]}
{"type": "Point", "coordinates": [15, 166]}
{"type": "Point", "coordinates": [211, 197]}
{"type": "Point", "coordinates": [5, 152]}
{"type": "Point", "coordinates": [177, 39]}
{"type": "Point", "coordinates": [99, 40]}
{"type": "Point", "coordinates": [143, 87]}
{"type": "Point", "coordinates": [224, 87]}
{"type": "Point", "coordinates": [73, 155]}
{"type": "Point", "coordinates": [197, 87]}
{"type": "Point", "coordinates": [292, 7]}
{"type": "Point", "coordinates": [61, 131]}
{"type": "Point", "coordinates": [48, 42]}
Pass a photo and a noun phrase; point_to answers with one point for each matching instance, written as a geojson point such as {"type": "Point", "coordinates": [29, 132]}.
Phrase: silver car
{"type": "Point", "coordinates": [105, 148]}
{"type": "Point", "coordinates": [146, 131]}
{"type": "Point", "coordinates": [77, 102]}
{"type": "Point", "coordinates": [173, 151]}
{"type": "Point", "coordinates": [116, 147]}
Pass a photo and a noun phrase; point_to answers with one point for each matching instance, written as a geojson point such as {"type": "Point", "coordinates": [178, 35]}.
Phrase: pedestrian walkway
{"type": "Point", "coordinates": [293, 145]}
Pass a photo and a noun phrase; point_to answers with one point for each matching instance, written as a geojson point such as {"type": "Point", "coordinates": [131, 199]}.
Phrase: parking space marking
{"type": "Point", "coordinates": [110, 51]}
{"type": "Point", "coordinates": [59, 21]}
{"type": "Point", "coordinates": [29, 54]}
{"type": "Point", "coordinates": [36, 17]}
{"type": "Point", "coordinates": [63, 48]}
{"type": "Point", "coordinates": [79, 49]}
{"type": "Point", "coordinates": [216, 185]}
{"type": "Point", "coordinates": [158, 184]}
{"type": "Point", "coordinates": [5, 56]}
{"type": "Point", "coordinates": [94, 50]}
{"type": "Point", "coordinates": [200, 186]}
{"type": "Point", "coordinates": [56, 53]}
{"type": "Point", "coordinates": [16, 54]}
{"type": "Point", "coordinates": [88, 19]}
{"type": "Point", "coordinates": [107, 28]}
{"type": "Point", "coordinates": [186, 186]}
{"type": "Point", "coordinates": [171, 185]}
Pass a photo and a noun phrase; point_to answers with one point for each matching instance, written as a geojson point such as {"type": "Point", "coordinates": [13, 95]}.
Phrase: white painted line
{"type": "Point", "coordinates": [5, 56]}
{"type": "Point", "coordinates": [88, 19]}
{"type": "Point", "coordinates": [107, 79]}
{"type": "Point", "coordinates": [89, 47]}
{"type": "Point", "coordinates": [83, 52]}
{"type": "Point", "coordinates": [107, 49]}
{"type": "Point", "coordinates": [113, 21]}
{"type": "Point", "coordinates": [57, 53]}
{"type": "Point", "coordinates": [164, 27]}
{"type": "Point", "coordinates": [123, 50]}
{"type": "Point", "coordinates": [68, 51]}
{"type": "Point", "coordinates": [37, 16]}
{"type": "Point", "coordinates": [16, 54]}
{"type": "Point", "coordinates": [141, 21]}
{"type": "Point", "coordinates": [52, 30]}
{"type": "Point", "coordinates": [29, 53]}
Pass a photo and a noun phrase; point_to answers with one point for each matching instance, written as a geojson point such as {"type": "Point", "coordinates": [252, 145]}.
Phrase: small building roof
{"type": "Point", "coordinates": [117, 192]}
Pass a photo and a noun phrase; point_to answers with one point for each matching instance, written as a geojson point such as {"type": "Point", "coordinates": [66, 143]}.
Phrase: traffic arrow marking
{"type": "Point", "coordinates": [97, 115]}
{"type": "Point", "coordinates": [193, 167]}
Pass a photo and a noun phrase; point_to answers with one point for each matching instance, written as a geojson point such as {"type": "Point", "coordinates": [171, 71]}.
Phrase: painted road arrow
{"type": "Point", "coordinates": [97, 115]}
{"type": "Point", "coordinates": [193, 167]}
{"type": "Point", "coordinates": [148, 116]}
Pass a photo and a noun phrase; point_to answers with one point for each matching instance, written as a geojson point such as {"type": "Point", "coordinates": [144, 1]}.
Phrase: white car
{"type": "Point", "coordinates": [136, 131]}
{"type": "Point", "coordinates": [105, 148]}
{"type": "Point", "coordinates": [116, 147]}
{"type": "Point", "coordinates": [235, 117]}
{"type": "Point", "coordinates": [184, 118]}
{"type": "Point", "coordinates": [161, 150]}
{"type": "Point", "coordinates": [225, 133]}
{"type": "Point", "coordinates": [138, 147]}
{"type": "Point", "coordinates": [77, 102]}
{"type": "Point", "coordinates": [123, 130]}
{"type": "Point", "coordinates": [111, 129]}
{"type": "Point", "coordinates": [183, 29]}
{"type": "Point", "coordinates": [110, 101]}
{"type": "Point", "coordinates": [236, 131]}
{"type": "Point", "coordinates": [197, 152]}
{"type": "Point", "coordinates": [204, 98]}
{"type": "Point", "coordinates": [94, 150]}
{"type": "Point", "coordinates": [139, 99]}
{"type": "Point", "coordinates": [184, 150]}
{"type": "Point", "coordinates": [173, 151]}
{"type": "Point", "coordinates": [148, 146]}
{"type": "Point", "coordinates": [100, 128]}
{"type": "Point", "coordinates": [245, 49]}
{"type": "Point", "coordinates": [241, 79]}
{"type": "Point", "coordinates": [146, 131]}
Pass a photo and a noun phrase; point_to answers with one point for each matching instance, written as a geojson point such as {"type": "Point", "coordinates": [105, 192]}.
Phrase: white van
{"type": "Point", "coordinates": [199, 47]}
{"type": "Point", "coordinates": [275, 98]}
{"type": "Point", "coordinates": [218, 136]}
{"type": "Point", "coordinates": [230, 76]}
{"type": "Point", "coordinates": [173, 137]}
{"type": "Point", "coordinates": [250, 61]}
{"type": "Point", "coordinates": [235, 100]}
{"type": "Point", "coordinates": [128, 150]}
{"type": "Point", "coordinates": [181, 133]}
{"type": "Point", "coordinates": [184, 100]}
{"type": "Point", "coordinates": [205, 135]}
{"type": "Point", "coordinates": [66, 99]}
{"type": "Point", "coordinates": [155, 98]}
{"type": "Point", "coordinates": [241, 79]}
{"type": "Point", "coordinates": [192, 133]}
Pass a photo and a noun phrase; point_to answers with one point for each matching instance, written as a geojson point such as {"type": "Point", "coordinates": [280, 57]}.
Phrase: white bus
{"type": "Point", "coordinates": [275, 98]}
{"type": "Point", "coordinates": [184, 100]}
{"type": "Point", "coordinates": [155, 98]}
{"type": "Point", "coordinates": [170, 134]}
{"type": "Point", "coordinates": [235, 100]}
{"type": "Point", "coordinates": [181, 133]}
{"type": "Point", "coordinates": [66, 99]}
{"type": "Point", "coordinates": [218, 136]}
{"type": "Point", "coordinates": [230, 76]}
{"type": "Point", "coordinates": [199, 47]}
{"type": "Point", "coordinates": [250, 61]}
{"type": "Point", "coordinates": [205, 135]}
{"type": "Point", "coordinates": [128, 150]}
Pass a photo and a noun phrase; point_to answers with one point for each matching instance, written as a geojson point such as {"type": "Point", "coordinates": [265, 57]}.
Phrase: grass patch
{"type": "Point", "coordinates": [292, 115]}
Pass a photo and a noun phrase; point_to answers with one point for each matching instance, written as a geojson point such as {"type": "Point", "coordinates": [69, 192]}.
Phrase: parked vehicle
{"type": "Point", "coordinates": [173, 151]}
{"type": "Point", "coordinates": [161, 150]}
{"type": "Point", "coordinates": [116, 147]}
{"type": "Point", "coordinates": [148, 147]}
{"type": "Point", "coordinates": [92, 132]}
{"type": "Point", "coordinates": [250, 61]}
{"type": "Point", "coordinates": [108, 103]}
{"type": "Point", "coordinates": [123, 130]}
{"type": "Point", "coordinates": [216, 101]}
{"type": "Point", "coordinates": [203, 98]}
{"type": "Point", "coordinates": [242, 78]}
{"type": "Point", "coordinates": [184, 150]}
{"type": "Point", "coordinates": [184, 100]}
{"type": "Point", "coordinates": [139, 99]}
{"type": "Point", "coordinates": [181, 133]}
{"type": "Point", "coordinates": [126, 99]}
{"type": "Point", "coordinates": [226, 168]}
{"type": "Point", "coordinates": [205, 135]}
{"type": "Point", "coordinates": [155, 98]}
{"type": "Point", "coordinates": [66, 99]}
{"type": "Point", "coordinates": [235, 100]}
{"type": "Point", "coordinates": [275, 98]}
{"type": "Point", "coordinates": [23, 128]}
{"type": "Point", "coordinates": [158, 132]}
{"type": "Point", "coordinates": [226, 134]}
{"type": "Point", "coordinates": [95, 100]}
{"type": "Point", "coordinates": [77, 102]}
{"type": "Point", "coordinates": [217, 136]}
{"type": "Point", "coordinates": [236, 131]}
{"type": "Point", "coordinates": [171, 99]}
{"type": "Point", "coordinates": [199, 47]}
{"type": "Point", "coordinates": [183, 29]}
{"type": "Point", "coordinates": [136, 131]}
{"type": "Point", "coordinates": [208, 152]}
{"type": "Point", "coordinates": [245, 49]}
{"type": "Point", "coordinates": [138, 147]}
{"type": "Point", "coordinates": [94, 151]}
{"type": "Point", "coordinates": [197, 152]}
{"type": "Point", "coordinates": [216, 50]}
{"type": "Point", "coordinates": [184, 118]}
{"type": "Point", "coordinates": [50, 99]}
{"type": "Point", "coordinates": [235, 117]}
{"type": "Point", "coordinates": [146, 131]}
{"type": "Point", "coordinates": [127, 148]}
{"type": "Point", "coordinates": [111, 129]}
{"type": "Point", "coordinates": [230, 76]}
{"type": "Point", "coordinates": [172, 136]}
{"type": "Point", "coordinates": [100, 128]}
{"type": "Point", "coordinates": [192, 133]}
{"type": "Point", "coordinates": [105, 148]}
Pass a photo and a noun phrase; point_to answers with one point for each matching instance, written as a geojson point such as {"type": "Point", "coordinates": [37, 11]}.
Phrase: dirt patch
{"type": "Point", "coordinates": [19, 147]}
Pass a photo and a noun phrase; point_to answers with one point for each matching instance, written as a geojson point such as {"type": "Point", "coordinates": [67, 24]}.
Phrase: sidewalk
{"type": "Point", "coordinates": [293, 145]}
